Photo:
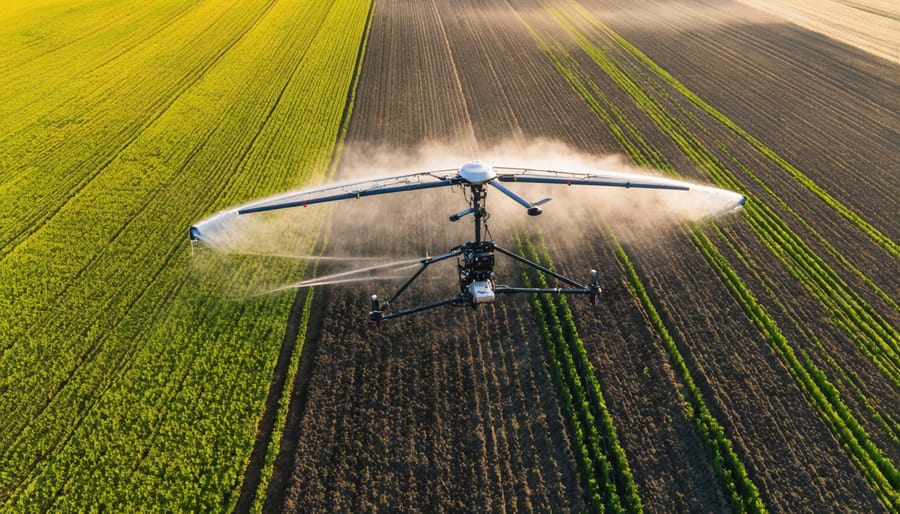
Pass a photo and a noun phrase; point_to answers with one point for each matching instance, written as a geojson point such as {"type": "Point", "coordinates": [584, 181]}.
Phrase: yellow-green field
{"type": "Point", "coordinates": [746, 365]}
{"type": "Point", "coordinates": [125, 381]}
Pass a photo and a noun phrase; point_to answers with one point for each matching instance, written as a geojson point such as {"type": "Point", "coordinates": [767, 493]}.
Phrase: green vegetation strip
{"type": "Point", "coordinates": [69, 111]}
{"type": "Point", "coordinates": [883, 419]}
{"type": "Point", "coordinates": [779, 202]}
{"type": "Point", "coordinates": [877, 338]}
{"type": "Point", "coordinates": [741, 491]}
{"type": "Point", "coordinates": [877, 469]}
{"type": "Point", "coordinates": [129, 380]}
{"type": "Point", "coordinates": [603, 465]}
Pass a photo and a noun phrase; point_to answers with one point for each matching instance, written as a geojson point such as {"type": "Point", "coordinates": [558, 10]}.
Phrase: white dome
{"type": "Point", "coordinates": [477, 172]}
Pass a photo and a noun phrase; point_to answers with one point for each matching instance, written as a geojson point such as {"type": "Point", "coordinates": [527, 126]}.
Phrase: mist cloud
{"type": "Point", "coordinates": [374, 231]}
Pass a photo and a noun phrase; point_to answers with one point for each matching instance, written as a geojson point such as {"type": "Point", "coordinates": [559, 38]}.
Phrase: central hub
{"type": "Point", "coordinates": [477, 260]}
{"type": "Point", "coordinates": [477, 173]}
{"type": "Point", "coordinates": [476, 271]}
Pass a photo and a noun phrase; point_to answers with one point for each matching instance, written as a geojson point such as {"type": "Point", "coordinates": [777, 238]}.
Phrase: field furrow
{"type": "Point", "coordinates": [485, 82]}
{"type": "Point", "coordinates": [748, 365]}
{"type": "Point", "coordinates": [157, 345]}
{"type": "Point", "coordinates": [55, 164]}
{"type": "Point", "coordinates": [610, 69]}
{"type": "Point", "coordinates": [839, 297]}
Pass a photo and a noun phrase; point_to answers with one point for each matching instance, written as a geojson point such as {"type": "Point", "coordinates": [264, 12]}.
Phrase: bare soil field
{"type": "Point", "coordinates": [455, 410]}
{"type": "Point", "coordinates": [871, 25]}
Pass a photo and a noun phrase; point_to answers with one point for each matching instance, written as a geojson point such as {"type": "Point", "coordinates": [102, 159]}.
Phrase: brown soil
{"type": "Point", "coordinates": [455, 410]}
{"type": "Point", "coordinates": [870, 25]}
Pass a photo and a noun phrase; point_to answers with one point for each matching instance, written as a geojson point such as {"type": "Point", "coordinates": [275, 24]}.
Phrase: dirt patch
{"type": "Point", "coordinates": [454, 410]}
{"type": "Point", "coordinates": [870, 25]}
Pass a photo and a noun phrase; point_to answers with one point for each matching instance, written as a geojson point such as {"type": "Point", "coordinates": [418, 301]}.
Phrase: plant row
{"type": "Point", "coordinates": [877, 469]}
{"type": "Point", "coordinates": [740, 489]}
{"type": "Point", "coordinates": [742, 493]}
{"type": "Point", "coordinates": [876, 336]}
{"type": "Point", "coordinates": [603, 465]}
{"type": "Point", "coordinates": [868, 329]}
{"type": "Point", "coordinates": [129, 375]}
{"type": "Point", "coordinates": [74, 109]}
{"type": "Point", "coordinates": [850, 379]}
{"type": "Point", "coordinates": [284, 401]}
{"type": "Point", "coordinates": [872, 333]}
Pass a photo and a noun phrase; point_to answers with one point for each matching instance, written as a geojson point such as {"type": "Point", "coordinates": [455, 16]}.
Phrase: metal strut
{"type": "Point", "coordinates": [478, 194]}
{"type": "Point", "coordinates": [377, 313]}
{"type": "Point", "coordinates": [476, 267]}
{"type": "Point", "coordinates": [379, 316]}
{"type": "Point", "coordinates": [537, 266]}
{"type": "Point", "coordinates": [425, 263]}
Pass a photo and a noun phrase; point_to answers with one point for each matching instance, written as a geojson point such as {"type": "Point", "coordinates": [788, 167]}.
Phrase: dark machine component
{"type": "Point", "coordinates": [475, 258]}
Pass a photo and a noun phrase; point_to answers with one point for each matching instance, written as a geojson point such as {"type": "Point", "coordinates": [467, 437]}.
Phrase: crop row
{"type": "Point", "coordinates": [881, 332]}
{"type": "Point", "coordinates": [862, 322]}
{"type": "Point", "coordinates": [740, 489]}
{"type": "Point", "coordinates": [129, 376]}
{"type": "Point", "coordinates": [284, 402]}
{"type": "Point", "coordinates": [871, 332]}
{"type": "Point", "coordinates": [882, 419]}
{"type": "Point", "coordinates": [781, 204]}
{"type": "Point", "coordinates": [879, 470]}
{"type": "Point", "coordinates": [884, 241]}
{"type": "Point", "coordinates": [836, 295]}
{"type": "Point", "coordinates": [875, 466]}
{"type": "Point", "coordinates": [603, 465]}
{"type": "Point", "coordinates": [95, 276]}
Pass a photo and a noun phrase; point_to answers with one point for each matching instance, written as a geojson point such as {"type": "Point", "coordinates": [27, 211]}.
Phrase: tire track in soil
{"type": "Point", "coordinates": [252, 477]}
{"type": "Point", "coordinates": [297, 405]}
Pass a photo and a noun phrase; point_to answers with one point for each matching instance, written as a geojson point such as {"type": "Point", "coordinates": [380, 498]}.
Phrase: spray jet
{"type": "Point", "coordinates": [475, 258]}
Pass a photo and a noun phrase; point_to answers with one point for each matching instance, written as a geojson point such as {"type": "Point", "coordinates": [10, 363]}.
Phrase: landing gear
{"type": "Point", "coordinates": [477, 281]}
{"type": "Point", "coordinates": [475, 265]}
{"type": "Point", "coordinates": [376, 315]}
{"type": "Point", "coordinates": [595, 288]}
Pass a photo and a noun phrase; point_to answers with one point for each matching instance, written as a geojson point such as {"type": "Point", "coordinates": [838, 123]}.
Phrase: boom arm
{"type": "Point", "coordinates": [377, 186]}
{"type": "Point", "coordinates": [533, 208]}
{"type": "Point", "coordinates": [608, 179]}
{"type": "Point", "coordinates": [413, 182]}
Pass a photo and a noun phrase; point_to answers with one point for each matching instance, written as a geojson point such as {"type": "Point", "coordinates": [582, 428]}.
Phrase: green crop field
{"type": "Point", "coordinates": [124, 379]}
{"type": "Point", "coordinates": [745, 364]}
